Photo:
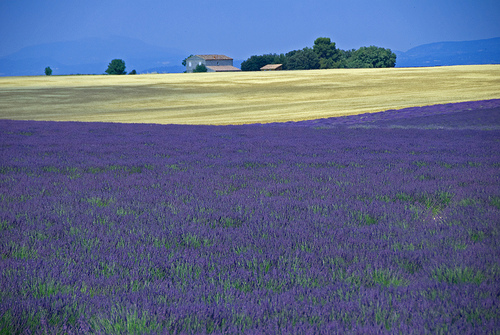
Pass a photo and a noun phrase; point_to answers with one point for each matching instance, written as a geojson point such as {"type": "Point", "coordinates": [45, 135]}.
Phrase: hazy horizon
{"type": "Point", "coordinates": [244, 29]}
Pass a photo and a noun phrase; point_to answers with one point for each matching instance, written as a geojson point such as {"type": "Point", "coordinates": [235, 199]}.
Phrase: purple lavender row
{"type": "Point", "coordinates": [116, 228]}
{"type": "Point", "coordinates": [468, 115]}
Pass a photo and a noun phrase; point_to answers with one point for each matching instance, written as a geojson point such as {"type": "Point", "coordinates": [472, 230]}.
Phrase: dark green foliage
{"type": "Point", "coordinates": [371, 57]}
{"type": "Point", "coordinates": [344, 56]}
{"type": "Point", "coordinates": [329, 55]}
{"type": "Point", "coordinates": [48, 71]}
{"type": "Point", "coordinates": [117, 66]}
{"type": "Point", "coordinates": [324, 55]}
{"type": "Point", "coordinates": [324, 48]}
{"type": "Point", "coordinates": [133, 72]}
{"type": "Point", "coordinates": [254, 63]}
{"type": "Point", "coordinates": [200, 68]}
{"type": "Point", "coordinates": [305, 59]}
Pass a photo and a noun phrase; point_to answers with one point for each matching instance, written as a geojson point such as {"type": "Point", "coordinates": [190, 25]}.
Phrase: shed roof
{"type": "Point", "coordinates": [271, 66]}
{"type": "Point", "coordinates": [214, 57]}
{"type": "Point", "coordinates": [223, 68]}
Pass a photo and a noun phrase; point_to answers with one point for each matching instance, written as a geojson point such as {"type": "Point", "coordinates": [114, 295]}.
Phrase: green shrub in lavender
{"type": "Point", "coordinates": [113, 228]}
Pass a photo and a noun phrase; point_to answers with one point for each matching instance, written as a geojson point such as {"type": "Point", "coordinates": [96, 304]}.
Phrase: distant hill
{"type": "Point", "coordinates": [91, 56]}
{"type": "Point", "coordinates": [451, 53]}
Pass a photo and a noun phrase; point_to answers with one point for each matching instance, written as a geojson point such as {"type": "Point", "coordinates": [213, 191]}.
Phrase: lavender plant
{"type": "Point", "coordinates": [380, 223]}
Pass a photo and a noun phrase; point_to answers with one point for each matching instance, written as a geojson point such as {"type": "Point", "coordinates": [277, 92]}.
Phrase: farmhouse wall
{"type": "Point", "coordinates": [192, 62]}
{"type": "Point", "coordinates": [219, 62]}
{"type": "Point", "coordinates": [208, 60]}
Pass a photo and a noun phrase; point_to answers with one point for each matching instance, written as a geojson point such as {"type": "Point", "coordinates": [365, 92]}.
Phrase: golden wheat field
{"type": "Point", "coordinates": [241, 97]}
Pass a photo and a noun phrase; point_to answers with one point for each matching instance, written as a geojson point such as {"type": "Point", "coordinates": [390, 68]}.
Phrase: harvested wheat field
{"type": "Point", "coordinates": [240, 98]}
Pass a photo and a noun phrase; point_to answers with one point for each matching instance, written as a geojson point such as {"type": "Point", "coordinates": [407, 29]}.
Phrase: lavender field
{"type": "Point", "coordinates": [376, 223]}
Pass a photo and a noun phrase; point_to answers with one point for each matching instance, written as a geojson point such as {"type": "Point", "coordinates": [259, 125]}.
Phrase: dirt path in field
{"type": "Point", "coordinates": [245, 97]}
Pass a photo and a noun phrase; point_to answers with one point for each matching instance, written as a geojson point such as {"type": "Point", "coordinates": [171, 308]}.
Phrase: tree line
{"type": "Point", "coordinates": [116, 66]}
{"type": "Point", "coordinates": [324, 55]}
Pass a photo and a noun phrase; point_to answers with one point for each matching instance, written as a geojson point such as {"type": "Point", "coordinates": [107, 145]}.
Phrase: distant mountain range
{"type": "Point", "coordinates": [92, 56]}
{"type": "Point", "coordinates": [451, 53]}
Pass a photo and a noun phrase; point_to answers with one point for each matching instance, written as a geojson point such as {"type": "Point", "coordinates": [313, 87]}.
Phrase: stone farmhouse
{"type": "Point", "coordinates": [214, 63]}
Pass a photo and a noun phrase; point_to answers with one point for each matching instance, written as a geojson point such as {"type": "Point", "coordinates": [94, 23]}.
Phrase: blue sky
{"type": "Point", "coordinates": [243, 28]}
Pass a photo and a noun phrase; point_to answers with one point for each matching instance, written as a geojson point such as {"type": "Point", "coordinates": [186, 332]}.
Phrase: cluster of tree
{"type": "Point", "coordinates": [324, 55]}
{"type": "Point", "coordinates": [117, 66]}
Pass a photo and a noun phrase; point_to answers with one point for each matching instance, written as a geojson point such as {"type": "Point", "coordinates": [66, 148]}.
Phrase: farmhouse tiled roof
{"type": "Point", "coordinates": [214, 57]}
{"type": "Point", "coordinates": [223, 68]}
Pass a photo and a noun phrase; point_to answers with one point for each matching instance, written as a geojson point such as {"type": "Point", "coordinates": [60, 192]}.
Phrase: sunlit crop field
{"type": "Point", "coordinates": [237, 98]}
{"type": "Point", "coordinates": [368, 224]}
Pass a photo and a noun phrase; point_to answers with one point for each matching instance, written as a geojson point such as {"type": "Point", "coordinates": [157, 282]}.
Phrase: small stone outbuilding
{"type": "Point", "coordinates": [214, 63]}
{"type": "Point", "coordinates": [272, 67]}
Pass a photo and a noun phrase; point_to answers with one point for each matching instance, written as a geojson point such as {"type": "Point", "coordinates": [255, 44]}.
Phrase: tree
{"type": "Point", "coordinates": [371, 57]}
{"type": "Point", "coordinates": [200, 68]}
{"type": "Point", "coordinates": [344, 57]}
{"type": "Point", "coordinates": [305, 59]}
{"type": "Point", "coordinates": [48, 71]}
{"type": "Point", "coordinates": [133, 72]}
{"type": "Point", "coordinates": [117, 66]}
{"type": "Point", "coordinates": [328, 63]}
{"type": "Point", "coordinates": [254, 63]}
{"type": "Point", "coordinates": [329, 55]}
{"type": "Point", "coordinates": [281, 59]}
{"type": "Point", "coordinates": [324, 55]}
